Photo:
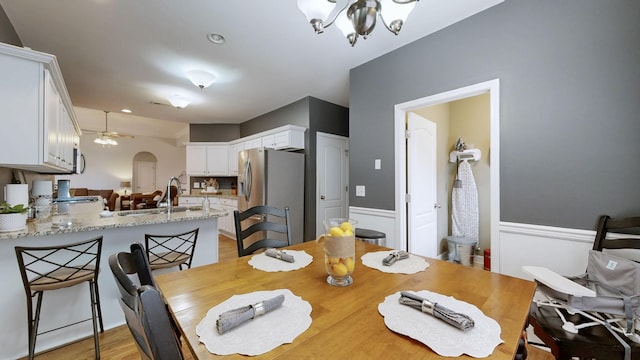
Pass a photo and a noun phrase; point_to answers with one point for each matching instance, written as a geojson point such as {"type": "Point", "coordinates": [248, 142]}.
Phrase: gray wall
{"type": "Point", "coordinates": [7, 32]}
{"type": "Point", "coordinates": [213, 132]}
{"type": "Point", "coordinates": [569, 75]}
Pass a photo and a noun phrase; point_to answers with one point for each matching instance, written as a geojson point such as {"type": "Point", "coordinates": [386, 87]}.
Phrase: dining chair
{"type": "Point", "coordinates": [262, 227]}
{"type": "Point", "coordinates": [165, 251]}
{"type": "Point", "coordinates": [46, 268]}
{"type": "Point", "coordinates": [612, 235]}
{"type": "Point", "coordinates": [145, 312]}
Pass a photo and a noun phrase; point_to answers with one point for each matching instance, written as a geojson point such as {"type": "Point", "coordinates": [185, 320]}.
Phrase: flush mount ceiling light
{"type": "Point", "coordinates": [357, 17]}
{"type": "Point", "coordinates": [179, 101]}
{"type": "Point", "coordinates": [216, 38]}
{"type": "Point", "coordinates": [200, 78]}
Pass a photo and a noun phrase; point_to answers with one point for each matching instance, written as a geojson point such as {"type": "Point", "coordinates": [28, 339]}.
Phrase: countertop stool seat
{"type": "Point", "coordinates": [165, 251]}
{"type": "Point", "coordinates": [46, 268]}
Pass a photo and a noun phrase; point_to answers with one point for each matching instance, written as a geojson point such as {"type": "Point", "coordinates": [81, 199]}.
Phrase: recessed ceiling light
{"type": "Point", "coordinates": [216, 38]}
{"type": "Point", "coordinates": [126, 111]}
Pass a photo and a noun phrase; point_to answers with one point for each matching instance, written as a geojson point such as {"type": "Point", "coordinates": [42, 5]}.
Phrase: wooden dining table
{"type": "Point", "coordinates": [345, 320]}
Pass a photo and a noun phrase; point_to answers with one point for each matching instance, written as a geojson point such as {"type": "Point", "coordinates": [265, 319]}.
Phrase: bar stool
{"type": "Point", "coordinates": [47, 268]}
{"type": "Point", "coordinates": [165, 251]}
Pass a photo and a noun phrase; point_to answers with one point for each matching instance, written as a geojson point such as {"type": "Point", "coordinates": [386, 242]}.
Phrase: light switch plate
{"type": "Point", "coordinates": [359, 190]}
{"type": "Point", "coordinates": [377, 165]}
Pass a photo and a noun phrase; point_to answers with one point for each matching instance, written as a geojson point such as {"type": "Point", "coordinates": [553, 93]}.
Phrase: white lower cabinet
{"type": "Point", "coordinates": [226, 224]}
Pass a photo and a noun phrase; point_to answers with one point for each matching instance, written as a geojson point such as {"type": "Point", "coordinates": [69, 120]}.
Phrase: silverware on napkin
{"type": "Point", "coordinates": [233, 318]}
{"type": "Point", "coordinates": [461, 321]}
{"type": "Point", "coordinates": [395, 256]}
{"type": "Point", "coordinates": [279, 254]}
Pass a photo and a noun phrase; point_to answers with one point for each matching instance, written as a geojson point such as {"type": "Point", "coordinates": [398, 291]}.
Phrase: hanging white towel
{"type": "Point", "coordinates": [464, 212]}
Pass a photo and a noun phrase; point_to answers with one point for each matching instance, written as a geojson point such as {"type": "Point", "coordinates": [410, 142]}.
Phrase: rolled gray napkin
{"type": "Point", "coordinates": [279, 254]}
{"type": "Point", "coordinates": [395, 256]}
{"type": "Point", "coordinates": [461, 321]}
{"type": "Point", "coordinates": [233, 318]}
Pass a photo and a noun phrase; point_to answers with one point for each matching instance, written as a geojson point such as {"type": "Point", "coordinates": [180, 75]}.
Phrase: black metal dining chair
{"type": "Point", "coordinates": [46, 268]}
{"type": "Point", "coordinates": [145, 312]}
{"type": "Point", "coordinates": [165, 251]}
{"type": "Point", "coordinates": [262, 227]}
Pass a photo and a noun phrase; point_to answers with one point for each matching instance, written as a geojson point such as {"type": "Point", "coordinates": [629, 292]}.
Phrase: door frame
{"type": "Point", "coordinates": [400, 115]}
{"type": "Point", "coordinates": [319, 217]}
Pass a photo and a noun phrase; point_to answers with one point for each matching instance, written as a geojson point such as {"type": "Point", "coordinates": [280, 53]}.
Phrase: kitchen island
{"type": "Point", "coordinates": [69, 305]}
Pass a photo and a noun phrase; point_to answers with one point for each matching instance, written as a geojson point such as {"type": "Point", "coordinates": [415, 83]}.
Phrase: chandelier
{"type": "Point", "coordinates": [356, 17]}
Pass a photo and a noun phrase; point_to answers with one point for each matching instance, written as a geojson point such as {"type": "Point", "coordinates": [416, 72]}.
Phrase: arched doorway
{"type": "Point", "coordinates": [144, 172]}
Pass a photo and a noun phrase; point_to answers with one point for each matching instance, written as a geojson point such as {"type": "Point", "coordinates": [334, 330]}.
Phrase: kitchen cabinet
{"type": "Point", "coordinates": [226, 224]}
{"type": "Point", "coordinates": [190, 201]}
{"type": "Point", "coordinates": [208, 160]}
{"type": "Point", "coordinates": [36, 108]}
{"type": "Point", "coordinates": [289, 139]}
{"type": "Point", "coordinates": [234, 149]}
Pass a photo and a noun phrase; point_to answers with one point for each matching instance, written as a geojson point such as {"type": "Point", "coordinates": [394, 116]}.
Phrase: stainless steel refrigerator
{"type": "Point", "coordinates": [273, 178]}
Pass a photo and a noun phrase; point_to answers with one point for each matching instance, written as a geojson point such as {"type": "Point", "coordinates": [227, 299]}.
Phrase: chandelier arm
{"type": "Point", "coordinates": [337, 13]}
{"type": "Point", "coordinates": [390, 28]}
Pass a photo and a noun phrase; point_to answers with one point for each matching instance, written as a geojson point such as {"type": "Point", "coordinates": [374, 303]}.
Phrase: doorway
{"type": "Point", "coordinates": [332, 174]}
{"type": "Point", "coordinates": [144, 172]}
{"type": "Point", "coordinates": [402, 221]}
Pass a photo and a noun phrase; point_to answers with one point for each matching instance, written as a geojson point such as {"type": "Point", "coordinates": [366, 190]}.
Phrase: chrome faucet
{"type": "Point", "coordinates": [169, 202]}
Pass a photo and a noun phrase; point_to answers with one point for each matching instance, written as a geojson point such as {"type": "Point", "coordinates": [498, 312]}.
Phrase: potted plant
{"type": "Point", "coordinates": [13, 218]}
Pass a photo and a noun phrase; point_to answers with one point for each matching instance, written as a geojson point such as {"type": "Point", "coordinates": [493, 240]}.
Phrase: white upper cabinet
{"type": "Point", "coordinates": [208, 160]}
{"type": "Point", "coordinates": [36, 113]}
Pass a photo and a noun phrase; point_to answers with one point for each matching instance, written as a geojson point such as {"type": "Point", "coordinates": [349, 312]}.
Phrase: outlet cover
{"type": "Point", "coordinates": [359, 190]}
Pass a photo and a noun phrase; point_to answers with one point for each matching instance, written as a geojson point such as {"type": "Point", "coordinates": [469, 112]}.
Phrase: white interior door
{"type": "Point", "coordinates": [422, 207]}
{"type": "Point", "coordinates": [332, 166]}
{"type": "Point", "coordinates": [145, 181]}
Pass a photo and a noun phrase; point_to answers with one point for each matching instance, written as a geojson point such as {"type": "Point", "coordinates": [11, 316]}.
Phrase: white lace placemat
{"type": "Point", "coordinates": [444, 339]}
{"type": "Point", "coordinates": [267, 263]}
{"type": "Point", "coordinates": [260, 335]}
{"type": "Point", "coordinates": [411, 265]}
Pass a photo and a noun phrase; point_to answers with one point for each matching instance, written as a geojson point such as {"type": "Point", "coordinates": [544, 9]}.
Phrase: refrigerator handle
{"type": "Point", "coordinates": [248, 181]}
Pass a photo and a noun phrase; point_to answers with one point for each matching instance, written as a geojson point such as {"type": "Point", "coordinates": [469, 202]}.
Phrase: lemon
{"type": "Point", "coordinates": [348, 232]}
{"type": "Point", "coordinates": [336, 231]}
{"type": "Point", "coordinates": [339, 269]}
{"type": "Point", "coordinates": [333, 260]}
{"type": "Point", "coordinates": [349, 263]}
{"type": "Point", "coordinates": [346, 226]}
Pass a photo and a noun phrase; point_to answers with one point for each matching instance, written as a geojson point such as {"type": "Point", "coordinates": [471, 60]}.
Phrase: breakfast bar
{"type": "Point", "coordinates": [65, 306]}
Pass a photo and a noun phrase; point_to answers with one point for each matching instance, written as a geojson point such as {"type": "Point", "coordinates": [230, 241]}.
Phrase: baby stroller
{"type": "Point", "coordinates": [608, 293]}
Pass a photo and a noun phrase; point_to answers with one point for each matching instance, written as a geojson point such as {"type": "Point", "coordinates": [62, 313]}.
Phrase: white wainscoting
{"type": "Point", "coordinates": [562, 250]}
{"type": "Point", "coordinates": [376, 219]}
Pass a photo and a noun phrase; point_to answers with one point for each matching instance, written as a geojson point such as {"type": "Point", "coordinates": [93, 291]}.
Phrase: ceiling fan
{"type": "Point", "coordinates": [107, 137]}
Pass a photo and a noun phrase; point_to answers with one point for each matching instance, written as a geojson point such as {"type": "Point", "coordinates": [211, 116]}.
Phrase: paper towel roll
{"type": "Point", "coordinates": [15, 194]}
{"type": "Point", "coordinates": [41, 188]}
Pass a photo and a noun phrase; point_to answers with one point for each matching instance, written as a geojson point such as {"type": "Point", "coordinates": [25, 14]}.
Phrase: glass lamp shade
{"type": "Point", "coordinates": [316, 9]}
{"type": "Point", "coordinates": [200, 78]}
{"type": "Point", "coordinates": [179, 101]}
{"type": "Point", "coordinates": [105, 140]}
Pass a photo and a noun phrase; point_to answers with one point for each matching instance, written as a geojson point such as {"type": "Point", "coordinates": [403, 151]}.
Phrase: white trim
{"type": "Point", "coordinates": [400, 113]}
{"type": "Point", "coordinates": [563, 250]}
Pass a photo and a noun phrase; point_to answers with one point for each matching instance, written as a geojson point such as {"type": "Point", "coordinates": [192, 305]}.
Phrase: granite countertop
{"type": "Point", "coordinates": [87, 217]}
{"type": "Point", "coordinates": [221, 194]}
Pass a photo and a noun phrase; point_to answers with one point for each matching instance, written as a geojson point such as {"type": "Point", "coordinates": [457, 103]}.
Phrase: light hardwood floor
{"type": "Point", "coordinates": [117, 343]}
